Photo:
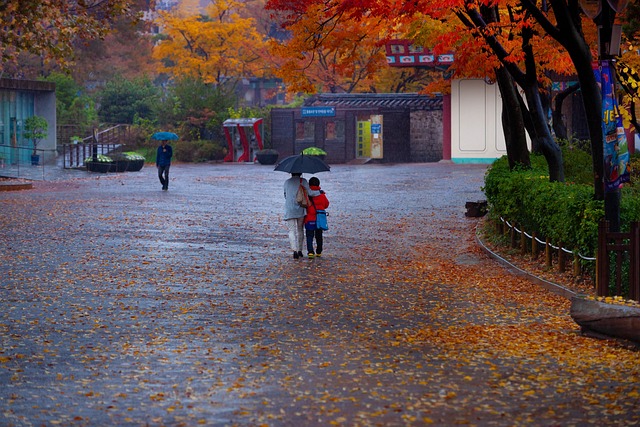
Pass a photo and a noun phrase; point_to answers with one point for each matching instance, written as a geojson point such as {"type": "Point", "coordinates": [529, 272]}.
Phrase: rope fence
{"type": "Point", "coordinates": [537, 245]}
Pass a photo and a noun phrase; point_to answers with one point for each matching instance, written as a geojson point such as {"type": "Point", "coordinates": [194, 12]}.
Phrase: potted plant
{"type": "Point", "coordinates": [100, 163]}
{"type": "Point", "coordinates": [314, 151]}
{"type": "Point", "coordinates": [128, 161]}
{"type": "Point", "coordinates": [35, 129]}
{"type": "Point", "coordinates": [268, 156]}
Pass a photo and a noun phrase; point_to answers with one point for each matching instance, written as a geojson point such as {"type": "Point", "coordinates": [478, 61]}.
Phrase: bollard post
{"type": "Point", "coordinates": [577, 269]}
{"type": "Point", "coordinates": [602, 260]}
{"type": "Point", "coordinates": [523, 243]}
{"type": "Point", "coordinates": [512, 234]}
{"type": "Point", "coordinates": [547, 253]}
{"type": "Point", "coordinates": [534, 246]}
{"type": "Point", "coordinates": [561, 259]}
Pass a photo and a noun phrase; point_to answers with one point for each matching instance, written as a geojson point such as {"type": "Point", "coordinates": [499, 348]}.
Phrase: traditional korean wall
{"type": "Point", "coordinates": [426, 136]}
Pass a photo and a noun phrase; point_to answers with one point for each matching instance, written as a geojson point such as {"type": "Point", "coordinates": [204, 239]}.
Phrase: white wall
{"type": "Point", "coordinates": [476, 128]}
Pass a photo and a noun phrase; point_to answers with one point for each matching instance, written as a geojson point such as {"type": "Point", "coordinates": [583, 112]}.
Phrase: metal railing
{"type": "Point", "coordinates": [25, 162]}
{"type": "Point", "coordinates": [74, 155]}
{"type": "Point", "coordinates": [105, 142]}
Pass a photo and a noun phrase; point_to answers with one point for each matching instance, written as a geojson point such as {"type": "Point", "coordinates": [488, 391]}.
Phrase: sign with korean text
{"type": "Point", "coordinates": [318, 111]}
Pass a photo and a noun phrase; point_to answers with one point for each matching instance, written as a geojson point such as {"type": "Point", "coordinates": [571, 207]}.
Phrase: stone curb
{"type": "Point", "coordinates": [553, 287]}
{"type": "Point", "coordinates": [15, 186]}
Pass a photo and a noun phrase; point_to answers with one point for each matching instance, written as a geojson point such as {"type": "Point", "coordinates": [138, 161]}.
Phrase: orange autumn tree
{"type": "Point", "coordinates": [220, 47]}
{"type": "Point", "coordinates": [483, 46]}
{"type": "Point", "coordinates": [515, 53]}
{"type": "Point", "coordinates": [326, 51]}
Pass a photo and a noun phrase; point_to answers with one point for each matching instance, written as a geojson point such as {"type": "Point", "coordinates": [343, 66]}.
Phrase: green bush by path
{"type": "Point", "coordinates": [564, 212]}
{"type": "Point", "coordinates": [198, 151]}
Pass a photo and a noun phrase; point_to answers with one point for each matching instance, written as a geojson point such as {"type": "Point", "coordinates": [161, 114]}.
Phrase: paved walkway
{"type": "Point", "coordinates": [125, 305]}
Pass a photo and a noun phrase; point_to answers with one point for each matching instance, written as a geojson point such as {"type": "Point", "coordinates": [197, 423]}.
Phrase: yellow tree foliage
{"type": "Point", "coordinates": [219, 47]}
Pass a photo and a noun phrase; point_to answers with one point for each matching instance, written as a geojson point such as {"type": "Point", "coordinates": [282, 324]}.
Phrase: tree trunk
{"type": "Point", "coordinates": [512, 121]}
{"type": "Point", "coordinates": [559, 126]}
{"type": "Point", "coordinates": [542, 138]}
{"type": "Point", "coordinates": [568, 33]}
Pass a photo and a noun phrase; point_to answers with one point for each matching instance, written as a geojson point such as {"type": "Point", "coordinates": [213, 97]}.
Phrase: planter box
{"type": "Point", "coordinates": [267, 158]}
{"type": "Point", "coordinates": [134, 165]}
{"type": "Point", "coordinates": [613, 320]}
{"type": "Point", "coordinates": [102, 167]}
{"type": "Point", "coordinates": [116, 166]}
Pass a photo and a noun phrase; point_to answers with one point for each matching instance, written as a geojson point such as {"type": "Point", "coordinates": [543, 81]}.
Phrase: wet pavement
{"type": "Point", "coordinates": [122, 304]}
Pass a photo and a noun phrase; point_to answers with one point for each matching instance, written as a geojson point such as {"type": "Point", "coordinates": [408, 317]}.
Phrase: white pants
{"type": "Point", "coordinates": [296, 233]}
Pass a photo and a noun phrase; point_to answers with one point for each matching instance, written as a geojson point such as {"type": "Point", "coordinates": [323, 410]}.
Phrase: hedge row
{"type": "Point", "coordinates": [563, 212]}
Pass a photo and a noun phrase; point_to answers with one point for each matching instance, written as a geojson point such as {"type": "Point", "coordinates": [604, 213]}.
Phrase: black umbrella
{"type": "Point", "coordinates": [301, 163]}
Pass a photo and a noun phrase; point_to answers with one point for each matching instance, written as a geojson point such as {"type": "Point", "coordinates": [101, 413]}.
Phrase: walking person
{"type": "Point", "coordinates": [294, 213]}
{"type": "Point", "coordinates": [163, 163]}
{"type": "Point", "coordinates": [318, 203]}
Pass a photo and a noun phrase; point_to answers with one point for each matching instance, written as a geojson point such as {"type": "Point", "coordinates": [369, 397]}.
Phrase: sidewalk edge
{"type": "Point", "coordinates": [553, 287]}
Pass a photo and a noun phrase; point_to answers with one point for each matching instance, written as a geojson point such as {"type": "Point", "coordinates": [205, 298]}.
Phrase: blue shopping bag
{"type": "Point", "coordinates": [321, 220]}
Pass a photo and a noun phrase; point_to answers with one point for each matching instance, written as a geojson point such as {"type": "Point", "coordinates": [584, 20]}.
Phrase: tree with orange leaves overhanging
{"type": "Point", "coordinates": [328, 51]}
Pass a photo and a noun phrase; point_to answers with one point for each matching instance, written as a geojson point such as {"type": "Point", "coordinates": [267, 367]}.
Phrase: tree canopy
{"type": "Point", "coordinates": [219, 47]}
{"type": "Point", "coordinates": [50, 29]}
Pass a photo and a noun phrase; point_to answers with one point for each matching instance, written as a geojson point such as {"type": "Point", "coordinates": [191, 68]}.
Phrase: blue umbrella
{"type": "Point", "coordinates": [165, 136]}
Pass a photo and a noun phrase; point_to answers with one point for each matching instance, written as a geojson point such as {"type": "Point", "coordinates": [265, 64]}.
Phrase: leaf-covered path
{"type": "Point", "coordinates": [125, 305]}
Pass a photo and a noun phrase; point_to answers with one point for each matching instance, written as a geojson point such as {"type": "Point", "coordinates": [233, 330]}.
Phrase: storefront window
{"type": "Point", "coordinates": [305, 130]}
{"type": "Point", "coordinates": [334, 130]}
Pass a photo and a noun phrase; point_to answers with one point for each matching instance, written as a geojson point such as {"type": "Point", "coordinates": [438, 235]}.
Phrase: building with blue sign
{"type": "Point", "coordinates": [396, 128]}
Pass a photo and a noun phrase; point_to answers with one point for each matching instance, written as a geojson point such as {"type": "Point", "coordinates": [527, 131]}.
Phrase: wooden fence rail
{"type": "Point", "coordinates": [562, 255]}
{"type": "Point", "coordinates": [621, 245]}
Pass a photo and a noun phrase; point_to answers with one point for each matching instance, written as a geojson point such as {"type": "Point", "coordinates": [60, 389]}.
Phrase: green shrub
{"type": "Point", "coordinates": [99, 158]}
{"type": "Point", "coordinates": [198, 151]}
{"type": "Point", "coordinates": [563, 212]}
{"type": "Point", "coordinates": [578, 166]}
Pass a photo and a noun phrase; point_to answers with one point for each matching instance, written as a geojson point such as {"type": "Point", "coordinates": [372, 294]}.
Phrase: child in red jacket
{"type": "Point", "coordinates": [317, 203]}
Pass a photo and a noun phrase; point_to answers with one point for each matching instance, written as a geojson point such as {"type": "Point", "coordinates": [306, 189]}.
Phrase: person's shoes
{"type": "Point", "coordinates": [295, 255]}
{"type": "Point", "coordinates": [318, 255]}
{"type": "Point", "coordinates": [300, 254]}
{"type": "Point", "coordinates": [311, 255]}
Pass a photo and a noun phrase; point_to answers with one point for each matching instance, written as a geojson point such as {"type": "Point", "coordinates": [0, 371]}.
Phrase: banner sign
{"type": "Point", "coordinates": [616, 150]}
{"type": "Point", "coordinates": [318, 111]}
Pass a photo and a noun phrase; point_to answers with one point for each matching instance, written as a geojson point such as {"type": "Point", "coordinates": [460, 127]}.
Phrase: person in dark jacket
{"type": "Point", "coordinates": [163, 163]}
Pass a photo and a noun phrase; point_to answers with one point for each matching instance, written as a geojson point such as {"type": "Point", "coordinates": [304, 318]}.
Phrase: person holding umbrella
{"type": "Point", "coordinates": [163, 157]}
{"type": "Point", "coordinates": [294, 213]}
